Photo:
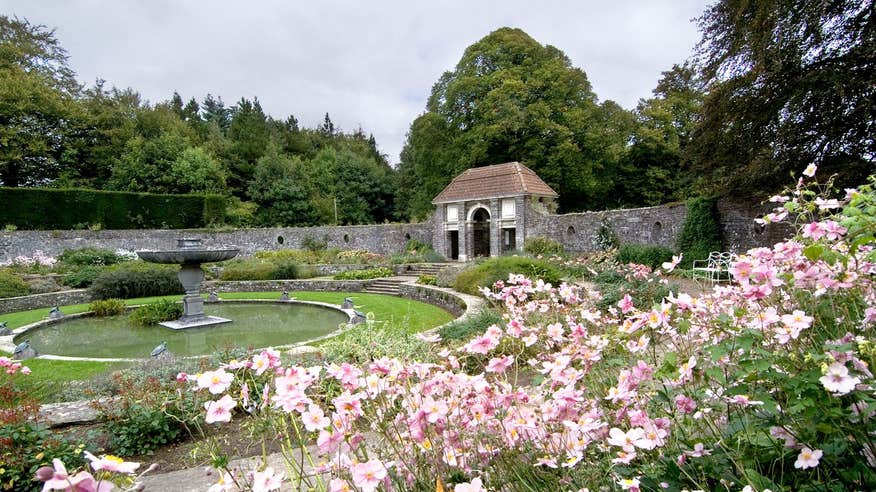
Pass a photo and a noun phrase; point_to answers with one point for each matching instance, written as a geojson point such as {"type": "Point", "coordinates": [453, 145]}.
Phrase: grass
{"type": "Point", "coordinates": [49, 375]}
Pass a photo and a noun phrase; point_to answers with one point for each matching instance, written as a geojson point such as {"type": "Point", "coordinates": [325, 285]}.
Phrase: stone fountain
{"type": "Point", "coordinates": [189, 255]}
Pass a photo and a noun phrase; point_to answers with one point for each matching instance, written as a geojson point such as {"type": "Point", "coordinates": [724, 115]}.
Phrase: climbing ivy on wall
{"type": "Point", "coordinates": [701, 232]}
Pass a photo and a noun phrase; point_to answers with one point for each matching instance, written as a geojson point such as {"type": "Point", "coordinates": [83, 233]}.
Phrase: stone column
{"type": "Point", "coordinates": [520, 221]}
{"type": "Point", "coordinates": [465, 244]}
{"type": "Point", "coordinates": [495, 227]}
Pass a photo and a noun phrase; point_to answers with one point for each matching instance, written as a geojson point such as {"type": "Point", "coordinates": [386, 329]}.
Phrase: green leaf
{"type": "Point", "coordinates": [813, 252]}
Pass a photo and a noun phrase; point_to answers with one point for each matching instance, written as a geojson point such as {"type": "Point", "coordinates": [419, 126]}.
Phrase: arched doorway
{"type": "Point", "coordinates": [480, 232]}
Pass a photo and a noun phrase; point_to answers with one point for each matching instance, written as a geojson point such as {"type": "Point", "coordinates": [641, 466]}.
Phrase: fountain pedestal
{"type": "Point", "coordinates": [189, 256]}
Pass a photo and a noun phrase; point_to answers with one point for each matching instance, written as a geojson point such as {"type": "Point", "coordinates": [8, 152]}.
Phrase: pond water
{"type": "Point", "coordinates": [253, 325]}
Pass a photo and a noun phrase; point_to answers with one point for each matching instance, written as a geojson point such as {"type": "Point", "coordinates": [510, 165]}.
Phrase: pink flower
{"type": "Point", "coordinates": [219, 411]}
{"type": "Point", "coordinates": [837, 379]}
{"type": "Point", "coordinates": [670, 265]}
{"type": "Point", "coordinates": [625, 304]}
{"type": "Point", "coordinates": [182, 377]}
{"type": "Point", "coordinates": [266, 480]}
{"type": "Point", "coordinates": [482, 344]}
{"type": "Point", "coordinates": [685, 404]}
{"type": "Point", "coordinates": [428, 337]}
{"type": "Point", "coordinates": [60, 480]}
{"type": "Point", "coordinates": [474, 486]}
{"type": "Point", "coordinates": [111, 463]}
{"type": "Point", "coordinates": [367, 476]}
{"type": "Point", "coordinates": [813, 230]}
{"type": "Point", "coordinates": [25, 370]}
{"type": "Point", "coordinates": [808, 458]}
{"type": "Point", "coordinates": [215, 381]}
{"type": "Point", "coordinates": [314, 419]}
{"type": "Point", "coordinates": [699, 450]}
{"type": "Point", "coordinates": [339, 485]}
{"type": "Point", "coordinates": [500, 364]}
{"type": "Point", "coordinates": [224, 484]}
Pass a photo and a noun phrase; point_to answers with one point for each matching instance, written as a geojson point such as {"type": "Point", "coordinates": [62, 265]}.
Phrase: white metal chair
{"type": "Point", "coordinates": [716, 267]}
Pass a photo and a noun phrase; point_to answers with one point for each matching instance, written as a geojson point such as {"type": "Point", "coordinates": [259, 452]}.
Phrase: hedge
{"type": "Point", "coordinates": [701, 233]}
{"type": "Point", "coordinates": [72, 208]}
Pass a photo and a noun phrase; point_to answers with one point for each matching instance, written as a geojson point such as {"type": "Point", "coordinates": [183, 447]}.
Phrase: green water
{"type": "Point", "coordinates": [253, 325]}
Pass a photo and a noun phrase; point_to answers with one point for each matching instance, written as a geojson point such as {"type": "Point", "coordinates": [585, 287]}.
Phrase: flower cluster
{"type": "Point", "coordinates": [38, 259]}
{"type": "Point", "coordinates": [106, 473]}
{"type": "Point", "coordinates": [769, 373]}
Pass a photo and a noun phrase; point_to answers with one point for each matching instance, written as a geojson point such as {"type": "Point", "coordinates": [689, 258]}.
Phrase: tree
{"type": "Point", "coordinates": [511, 98]}
{"type": "Point", "coordinates": [653, 169]}
{"type": "Point", "coordinates": [37, 109]}
{"type": "Point", "coordinates": [282, 190]}
{"type": "Point", "coordinates": [789, 83]}
{"type": "Point", "coordinates": [249, 135]}
{"type": "Point", "coordinates": [214, 112]}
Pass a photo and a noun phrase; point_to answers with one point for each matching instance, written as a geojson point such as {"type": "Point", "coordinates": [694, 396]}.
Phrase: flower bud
{"type": "Point", "coordinates": [44, 473]}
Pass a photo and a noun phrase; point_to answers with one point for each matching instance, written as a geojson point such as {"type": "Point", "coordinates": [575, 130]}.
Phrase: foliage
{"type": "Point", "coordinates": [89, 257]}
{"type": "Point", "coordinates": [427, 280]}
{"type": "Point", "coordinates": [312, 244]}
{"type": "Point", "coordinates": [651, 256]}
{"type": "Point", "coordinates": [26, 446]}
{"type": "Point", "coordinates": [82, 277]}
{"type": "Point", "coordinates": [136, 279]}
{"type": "Point", "coordinates": [373, 340]}
{"type": "Point", "coordinates": [701, 231]}
{"type": "Point", "coordinates": [606, 238]}
{"type": "Point", "coordinates": [788, 83]}
{"type": "Point", "coordinates": [760, 384]}
{"type": "Point", "coordinates": [365, 274]}
{"type": "Point", "coordinates": [264, 268]}
{"type": "Point", "coordinates": [148, 414]}
{"type": "Point", "coordinates": [107, 307]}
{"type": "Point", "coordinates": [466, 328]}
{"type": "Point", "coordinates": [542, 246]}
{"type": "Point", "coordinates": [488, 272]}
{"type": "Point", "coordinates": [12, 285]}
{"type": "Point", "coordinates": [643, 287]}
{"type": "Point", "coordinates": [511, 98]}
{"type": "Point", "coordinates": [71, 208]}
{"type": "Point", "coordinates": [156, 312]}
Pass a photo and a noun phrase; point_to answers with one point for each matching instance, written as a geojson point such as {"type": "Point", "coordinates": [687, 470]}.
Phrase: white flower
{"type": "Point", "coordinates": [810, 170]}
{"type": "Point", "coordinates": [837, 379]}
{"type": "Point", "coordinates": [807, 458]}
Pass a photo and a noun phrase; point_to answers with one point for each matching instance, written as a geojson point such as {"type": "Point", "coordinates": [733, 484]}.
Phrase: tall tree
{"type": "Point", "coordinates": [511, 98]}
{"type": "Point", "coordinates": [790, 83]}
{"type": "Point", "coordinates": [249, 135]}
{"type": "Point", "coordinates": [37, 109]}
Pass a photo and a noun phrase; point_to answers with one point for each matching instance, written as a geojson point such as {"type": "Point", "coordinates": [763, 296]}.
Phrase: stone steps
{"type": "Point", "coordinates": [388, 286]}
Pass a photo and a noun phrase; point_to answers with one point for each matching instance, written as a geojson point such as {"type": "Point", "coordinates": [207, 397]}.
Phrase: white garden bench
{"type": "Point", "coordinates": [716, 267]}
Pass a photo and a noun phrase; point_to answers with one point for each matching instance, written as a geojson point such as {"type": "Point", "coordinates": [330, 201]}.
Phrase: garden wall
{"type": "Point", "coordinates": [379, 238]}
{"type": "Point", "coordinates": [36, 301]}
{"type": "Point", "coordinates": [577, 232]}
{"type": "Point", "coordinates": [287, 285]}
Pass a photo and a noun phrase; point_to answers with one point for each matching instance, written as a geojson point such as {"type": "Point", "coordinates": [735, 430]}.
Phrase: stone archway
{"type": "Point", "coordinates": [480, 232]}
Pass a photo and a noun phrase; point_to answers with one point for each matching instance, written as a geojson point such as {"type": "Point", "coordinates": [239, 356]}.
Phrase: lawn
{"type": "Point", "coordinates": [49, 375]}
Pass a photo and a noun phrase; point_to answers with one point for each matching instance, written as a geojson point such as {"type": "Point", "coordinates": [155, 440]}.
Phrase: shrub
{"type": "Point", "coordinates": [90, 257]}
{"type": "Point", "coordinates": [157, 312]}
{"type": "Point", "coordinates": [107, 307]}
{"type": "Point", "coordinates": [465, 329]}
{"type": "Point", "coordinates": [25, 208]}
{"type": "Point", "coordinates": [148, 413]}
{"type": "Point", "coordinates": [370, 341]}
{"type": "Point", "coordinates": [136, 279]}
{"type": "Point", "coordinates": [701, 232]}
{"type": "Point", "coordinates": [285, 270]}
{"type": "Point", "coordinates": [652, 256]}
{"type": "Point", "coordinates": [82, 277]}
{"type": "Point", "coordinates": [11, 285]}
{"type": "Point", "coordinates": [417, 246]}
{"type": "Point", "coordinates": [365, 274]}
{"type": "Point", "coordinates": [248, 269]}
{"type": "Point", "coordinates": [25, 447]}
{"type": "Point", "coordinates": [542, 246]}
{"type": "Point", "coordinates": [606, 239]}
{"type": "Point", "coordinates": [485, 274]}
{"type": "Point", "coordinates": [311, 243]}
{"type": "Point", "coordinates": [427, 280]}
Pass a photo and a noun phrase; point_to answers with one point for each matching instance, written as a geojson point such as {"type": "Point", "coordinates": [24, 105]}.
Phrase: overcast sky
{"type": "Point", "coordinates": [369, 63]}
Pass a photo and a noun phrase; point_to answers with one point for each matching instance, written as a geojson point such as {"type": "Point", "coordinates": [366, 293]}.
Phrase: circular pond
{"type": "Point", "coordinates": [254, 325]}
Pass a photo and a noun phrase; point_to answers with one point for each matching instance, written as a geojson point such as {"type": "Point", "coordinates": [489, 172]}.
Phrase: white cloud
{"type": "Point", "coordinates": [366, 63]}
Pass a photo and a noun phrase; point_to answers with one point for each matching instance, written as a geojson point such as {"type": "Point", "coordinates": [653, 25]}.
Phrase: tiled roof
{"type": "Point", "coordinates": [499, 180]}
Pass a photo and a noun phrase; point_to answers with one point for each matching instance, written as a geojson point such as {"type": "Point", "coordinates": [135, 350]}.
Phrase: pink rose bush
{"type": "Point", "coordinates": [765, 383]}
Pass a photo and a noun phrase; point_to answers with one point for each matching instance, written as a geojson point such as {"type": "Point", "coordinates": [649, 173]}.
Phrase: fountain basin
{"type": "Point", "coordinates": [257, 324]}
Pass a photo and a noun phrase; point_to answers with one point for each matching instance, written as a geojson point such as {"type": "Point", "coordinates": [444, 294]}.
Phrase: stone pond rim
{"type": "Point", "coordinates": [189, 255]}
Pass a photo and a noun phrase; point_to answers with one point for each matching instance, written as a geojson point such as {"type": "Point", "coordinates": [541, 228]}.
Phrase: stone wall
{"type": "Point", "coordinates": [36, 301]}
{"type": "Point", "coordinates": [659, 225]}
{"type": "Point", "coordinates": [446, 300]}
{"type": "Point", "coordinates": [578, 231]}
{"type": "Point", "coordinates": [378, 238]}
{"type": "Point", "coordinates": [287, 285]}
